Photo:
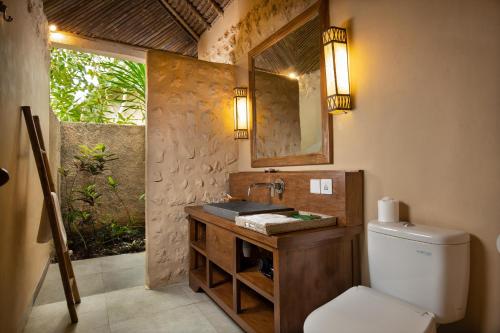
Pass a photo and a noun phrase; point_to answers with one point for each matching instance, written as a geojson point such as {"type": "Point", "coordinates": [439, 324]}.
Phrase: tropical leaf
{"type": "Point", "coordinates": [92, 88]}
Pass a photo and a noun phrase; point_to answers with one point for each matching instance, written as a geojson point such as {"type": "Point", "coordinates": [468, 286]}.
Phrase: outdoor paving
{"type": "Point", "coordinates": [114, 299]}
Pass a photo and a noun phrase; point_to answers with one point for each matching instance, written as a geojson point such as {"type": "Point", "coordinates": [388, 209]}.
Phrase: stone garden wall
{"type": "Point", "coordinates": [127, 142]}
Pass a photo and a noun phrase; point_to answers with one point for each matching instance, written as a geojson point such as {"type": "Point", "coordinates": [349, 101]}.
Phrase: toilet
{"type": "Point", "coordinates": [419, 279]}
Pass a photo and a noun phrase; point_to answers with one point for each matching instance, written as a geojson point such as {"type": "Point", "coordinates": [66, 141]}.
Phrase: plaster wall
{"type": "Point", "coordinates": [24, 80]}
{"type": "Point", "coordinates": [277, 102]}
{"type": "Point", "coordinates": [190, 153]}
{"type": "Point", "coordinates": [127, 142]}
{"type": "Point", "coordinates": [426, 126]}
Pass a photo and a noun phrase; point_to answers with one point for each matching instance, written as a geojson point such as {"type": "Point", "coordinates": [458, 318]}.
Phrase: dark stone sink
{"type": "Point", "coordinates": [230, 210]}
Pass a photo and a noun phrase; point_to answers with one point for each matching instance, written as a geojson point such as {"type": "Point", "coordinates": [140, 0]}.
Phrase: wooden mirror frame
{"type": "Point", "coordinates": [325, 156]}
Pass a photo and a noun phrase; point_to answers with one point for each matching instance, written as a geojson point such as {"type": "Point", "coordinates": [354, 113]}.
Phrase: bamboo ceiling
{"type": "Point", "coordinates": [169, 25]}
{"type": "Point", "coordinates": [298, 52]}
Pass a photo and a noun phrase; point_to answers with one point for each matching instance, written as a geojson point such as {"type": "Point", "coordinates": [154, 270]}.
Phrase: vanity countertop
{"type": "Point", "coordinates": [282, 240]}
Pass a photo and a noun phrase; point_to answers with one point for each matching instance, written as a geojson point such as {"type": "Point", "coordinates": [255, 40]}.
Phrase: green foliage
{"type": "Point", "coordinates": [112, 183]}
{"type": "Point", "coordinates": [84, 225]}
{"type": "Point", "coordinates": [89, 195]}
{"type": "Point", "coordinates": [127, 87]}
{"type": "Point", "coordinates": [93, 160]}
{"type": "Point", "coordinates": [92, 88]}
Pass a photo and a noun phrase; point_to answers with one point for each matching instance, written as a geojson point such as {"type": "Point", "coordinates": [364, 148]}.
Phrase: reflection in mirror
{"type": "Point", "coordinates": [287, 94]}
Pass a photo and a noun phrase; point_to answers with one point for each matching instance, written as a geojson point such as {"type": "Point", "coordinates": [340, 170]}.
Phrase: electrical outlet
{"type": "Point", "coordinates": [326, 186]}
{"type": "Point", "coordinates": [315, 186]}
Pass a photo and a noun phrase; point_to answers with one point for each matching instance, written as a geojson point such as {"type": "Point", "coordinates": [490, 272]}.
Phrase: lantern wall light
{"type": "Point", "coordinates": [338, 92]}
{"type": "Point", "coordinates": [240, 113]}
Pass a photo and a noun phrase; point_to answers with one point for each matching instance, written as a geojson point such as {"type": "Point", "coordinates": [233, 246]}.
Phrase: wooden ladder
{"type": "Point", "coordinates": [53, 212]}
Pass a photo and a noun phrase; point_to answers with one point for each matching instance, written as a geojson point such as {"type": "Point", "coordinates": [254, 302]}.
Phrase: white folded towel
{"type": "Point", "coordinates": [261, 222]}
{"type": "Point", "coordinates": [270, 224]}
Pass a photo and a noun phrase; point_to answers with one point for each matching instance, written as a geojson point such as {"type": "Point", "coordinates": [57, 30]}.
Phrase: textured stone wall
{"type": "Point", "coordinates": [127, 142]}
{"type": "Point", "coordinates": [190, 152]}
{"type": "Point", "coordinates": [278, 119]}
{"type": "Point", "coordinates": [264, 18]}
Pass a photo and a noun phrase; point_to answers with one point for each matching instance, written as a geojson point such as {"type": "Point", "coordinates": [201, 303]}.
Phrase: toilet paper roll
{"type": "Point", "coordinates": [388, 210]}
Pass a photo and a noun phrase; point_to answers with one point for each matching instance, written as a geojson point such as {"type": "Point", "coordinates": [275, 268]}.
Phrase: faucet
{"type": "Point", "coordinates": [277, 187]}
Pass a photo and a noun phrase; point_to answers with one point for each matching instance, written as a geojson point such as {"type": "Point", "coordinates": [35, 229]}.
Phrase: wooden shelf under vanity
{"type": "Point", "coordinates": [253, 278]}
{"type": "Point", "coordinates": [310, 268]}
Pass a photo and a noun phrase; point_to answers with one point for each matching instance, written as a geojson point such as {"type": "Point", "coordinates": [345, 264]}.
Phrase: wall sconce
{"type": "Point", "coordinates": [338, 92]}
{"type": "Point", "coordinates": [3, 10]}
{"type": "Point", "coordinates": [240, 113]}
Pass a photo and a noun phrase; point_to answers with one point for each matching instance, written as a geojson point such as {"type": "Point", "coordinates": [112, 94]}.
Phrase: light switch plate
{"type": "Point", "coordinates": [326, 186]}
{"type": "Point", "coordinates": [315, 186]}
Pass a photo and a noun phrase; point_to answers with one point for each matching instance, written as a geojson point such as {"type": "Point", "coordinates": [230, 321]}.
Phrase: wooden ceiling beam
{"type": "Point", "coordinates": [217, 7]}
{"type": "Point", "coordinates": [180, 20]}
{"type": "Point", "coordinates": [196, 13]}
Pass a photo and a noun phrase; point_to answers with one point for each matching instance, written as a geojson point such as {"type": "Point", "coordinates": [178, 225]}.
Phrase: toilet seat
{"type": "Point", "coordinates": [361, 309]}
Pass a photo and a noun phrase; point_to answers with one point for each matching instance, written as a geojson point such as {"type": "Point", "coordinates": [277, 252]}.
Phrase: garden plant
{"type": "Point", "coordinates": [87, 184]}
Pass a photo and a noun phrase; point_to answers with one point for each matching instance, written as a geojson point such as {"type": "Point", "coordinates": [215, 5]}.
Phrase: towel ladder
{"type": "Point", "coordinates": [62, 252]}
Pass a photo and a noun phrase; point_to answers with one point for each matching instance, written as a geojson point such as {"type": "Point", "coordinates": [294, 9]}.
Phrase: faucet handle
{"type": "Point", "coordinates": [279, 186]}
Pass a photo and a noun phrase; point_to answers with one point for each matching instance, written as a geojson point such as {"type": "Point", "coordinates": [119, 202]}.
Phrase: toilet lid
{"type": "Point", "coordinates": [361, 309]}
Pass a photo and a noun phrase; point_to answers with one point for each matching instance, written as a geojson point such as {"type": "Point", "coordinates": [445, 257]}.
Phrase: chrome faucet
{"type": "Point", "coordinates": [277, 187]}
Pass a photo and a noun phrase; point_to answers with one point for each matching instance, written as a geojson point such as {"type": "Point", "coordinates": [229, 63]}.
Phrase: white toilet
{"type": "Point", "coordinates": [419, 278]}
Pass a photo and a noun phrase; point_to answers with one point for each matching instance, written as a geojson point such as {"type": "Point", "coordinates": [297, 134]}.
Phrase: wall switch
{"type": "Point", "coordinates": [326, 186]}
{"type": "Point", "coordinates": [315, 186]}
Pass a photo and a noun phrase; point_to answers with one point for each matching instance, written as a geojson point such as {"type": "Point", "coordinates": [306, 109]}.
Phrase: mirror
{"type": "Point", "coordinates": [290, 121]}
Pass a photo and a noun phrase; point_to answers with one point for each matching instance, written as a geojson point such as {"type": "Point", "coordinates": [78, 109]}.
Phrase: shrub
{"type": "Point", "coordinates": [89, 233]}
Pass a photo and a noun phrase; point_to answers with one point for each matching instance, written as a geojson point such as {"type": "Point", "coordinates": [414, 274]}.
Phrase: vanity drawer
{"type": "Point", "coordinates": [220, 247]}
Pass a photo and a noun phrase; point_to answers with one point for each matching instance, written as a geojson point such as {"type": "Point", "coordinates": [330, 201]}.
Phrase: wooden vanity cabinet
{"type": "Point", "coordinates": [310, 268]}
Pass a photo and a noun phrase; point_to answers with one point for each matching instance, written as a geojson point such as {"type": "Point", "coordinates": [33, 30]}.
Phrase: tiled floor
{"type": "Point", "coordinates": [96, 276]}
{"type": "Point", "coordinates": [115, 300]}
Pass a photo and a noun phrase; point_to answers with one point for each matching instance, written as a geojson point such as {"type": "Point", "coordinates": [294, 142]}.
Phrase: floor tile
{"type": "Point", "coordinates": [123, 278]}
{"type": "Point", "coordinates": [137, 302]}
{"type": "Point", "coordinates": [123, 261]}
{"type": "Point", "coordinates": [54, 317]}
{"type": "Point", "coordinates": [172, 308]}
{"type": "Point", "coordinates": [218, 318]}
{"type": "Point", "coordinates": [195, 296]}
{"type": "Point", "coordinates": [53, 273]}
{"type": "Point", "coordinates": [185, 319]}
{"type": "Point", "coordinates": [50, 292]}
{"type": "Point", "coordinates": [87, 266]}
{"type": "Point", "coordinates": [91, 284]}
{"type": "Point", "coordinates": [90, 303]}
{"type": "Point", "coordinates": [121, 271]}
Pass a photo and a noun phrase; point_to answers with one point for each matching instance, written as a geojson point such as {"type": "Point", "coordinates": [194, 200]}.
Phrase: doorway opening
{"type": "Point", "coordinates": [100, 106]}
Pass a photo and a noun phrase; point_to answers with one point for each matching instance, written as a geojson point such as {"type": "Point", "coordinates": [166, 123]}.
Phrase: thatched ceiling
{"type": "Point", "coordinates": [298, 52]}
{"type": "Point", "coordinates": [170, 25]}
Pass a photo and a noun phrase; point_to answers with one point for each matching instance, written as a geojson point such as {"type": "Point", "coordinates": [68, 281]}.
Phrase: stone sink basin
{"type": "Point", "coordinates": [229, 210]}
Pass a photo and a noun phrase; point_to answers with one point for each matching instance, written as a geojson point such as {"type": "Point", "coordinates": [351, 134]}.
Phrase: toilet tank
{"type": "Point", "coordinates": [422, 265]}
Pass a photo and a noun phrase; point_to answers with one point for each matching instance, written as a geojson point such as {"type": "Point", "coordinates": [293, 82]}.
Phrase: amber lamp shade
{"type": "Point", "coordinates": [338, 91]}
{"type": "Point", "coordinates": [240, 113]}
